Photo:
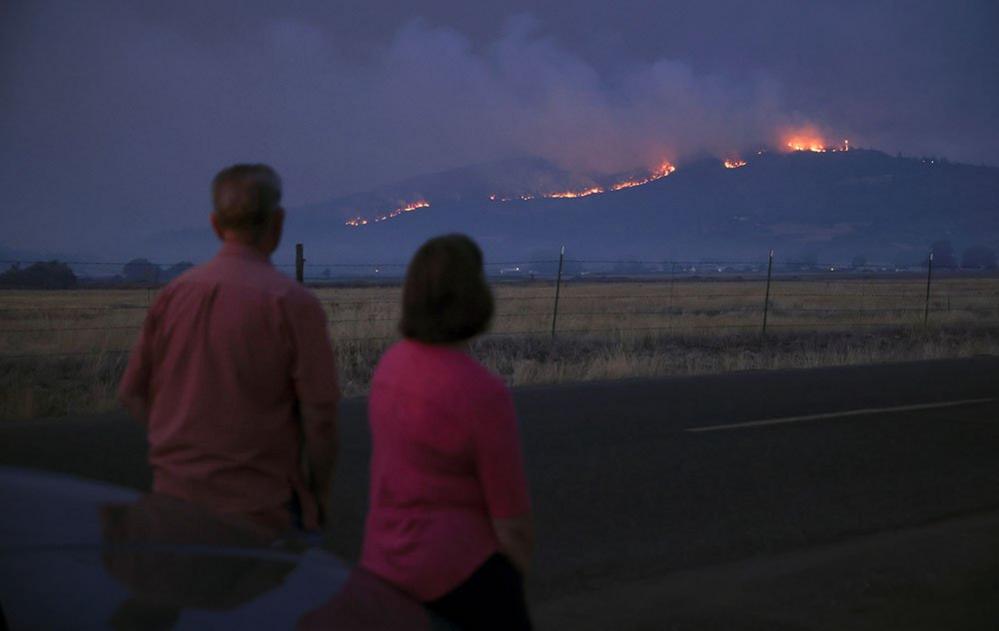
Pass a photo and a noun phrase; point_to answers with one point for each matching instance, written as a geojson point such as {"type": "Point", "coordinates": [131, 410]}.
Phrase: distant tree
{"type": "Point", "coordinates": [979, 257]}
{"type": "Point", "coordinates": [48, 275]}
{"type": "Point", "coordinates": [943, 254]}
{"type": "Point", "coordinates": [141, 272]}
{"type": "Point", "coordinates": [859, 261]}
{"type": "Point", "coordinates": [174, 271]}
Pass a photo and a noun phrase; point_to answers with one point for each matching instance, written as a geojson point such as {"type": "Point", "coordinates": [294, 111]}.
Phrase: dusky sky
{"type": "Point", "coordinates": [114, 115]}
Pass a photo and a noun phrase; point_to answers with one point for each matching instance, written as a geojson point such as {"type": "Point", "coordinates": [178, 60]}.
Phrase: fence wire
{"type": "Point", "coordinates": [598, 298]}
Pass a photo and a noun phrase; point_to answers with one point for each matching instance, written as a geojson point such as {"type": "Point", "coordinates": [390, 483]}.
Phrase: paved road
{"type": "Point", "coordinates": [638, 481]}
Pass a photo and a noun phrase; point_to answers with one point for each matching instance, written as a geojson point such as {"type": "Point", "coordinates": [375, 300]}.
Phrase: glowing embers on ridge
{"type": "Point", "coordinates": [660, 172]}
{"type": "Point", "coordinates": [356, 222]}
{"type": "Point", "coordinates": [810, 140]}
{"type": "Point", "coordinates": [408, 208]}
{"type": "Point", "coordinates": [498, 198]}
{"type": "Point", "coordinates": [816, 146]}
{"type": "Point", "coordinates": [735, 163]}
{"type": "Point", "coordinates": [586, 192]}
{"type": "Point", "coordinates": [800, 144]}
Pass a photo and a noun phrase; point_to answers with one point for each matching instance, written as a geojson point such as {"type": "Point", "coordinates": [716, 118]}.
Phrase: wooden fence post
{"type": "Point", "coordinates": [558, 287]}
{"type": "Point", "coordinates": [929, 279]}
{"type": "Point", "coordinates": [766, 301]}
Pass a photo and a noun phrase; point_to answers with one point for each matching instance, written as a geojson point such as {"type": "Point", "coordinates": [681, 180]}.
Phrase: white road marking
{"type": "Point", "coordinates": [827, 415]}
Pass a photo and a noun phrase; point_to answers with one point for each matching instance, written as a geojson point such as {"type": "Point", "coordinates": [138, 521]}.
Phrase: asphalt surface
{"type": "Point", "coordinates": [631, 502]}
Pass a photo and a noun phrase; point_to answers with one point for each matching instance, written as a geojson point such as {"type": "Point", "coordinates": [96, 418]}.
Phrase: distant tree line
{"type": "Point", "coordinates": [57, 275]}
{"type": "Point", "coordinates": [145, 273]}
{"type": "Point", "coordinates": [42, 275]}
{"type": "Point", "coordinates": [141, 272]}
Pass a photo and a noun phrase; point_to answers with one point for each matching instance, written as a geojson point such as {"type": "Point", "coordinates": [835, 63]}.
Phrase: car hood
{"type": "Point", "coordinates": [87, 555]}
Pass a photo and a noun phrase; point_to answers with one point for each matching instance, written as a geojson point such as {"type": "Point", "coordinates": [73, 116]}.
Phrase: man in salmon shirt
{"type": "Point", "coordinates": [234, 376]}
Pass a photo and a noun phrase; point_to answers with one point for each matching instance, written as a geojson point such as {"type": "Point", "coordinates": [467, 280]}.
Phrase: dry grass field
{"type": "Point", "coordinates": [62, 352]}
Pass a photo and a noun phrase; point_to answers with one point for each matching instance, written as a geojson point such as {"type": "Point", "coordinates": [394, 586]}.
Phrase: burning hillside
{"type": "Point", "coordinates": [658, 173]}
{"type": "Point", "coordinates": [531, 180]}
{"type": "Point", "coordinates": [801, 203]}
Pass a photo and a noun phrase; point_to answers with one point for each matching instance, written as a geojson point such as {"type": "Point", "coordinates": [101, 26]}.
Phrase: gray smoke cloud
{"type": "Point", "coordinates": [523, 93]}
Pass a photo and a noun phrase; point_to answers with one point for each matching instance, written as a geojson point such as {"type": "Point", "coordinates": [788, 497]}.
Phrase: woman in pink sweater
{"type": "Point", "coordinates": [449, 518]}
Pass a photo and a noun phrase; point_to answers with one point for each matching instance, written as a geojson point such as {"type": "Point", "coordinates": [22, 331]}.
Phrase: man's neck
{"type": "Point", "coordinates": [239, 247]}
{"type": "Point", "coordinates": [244, 242]}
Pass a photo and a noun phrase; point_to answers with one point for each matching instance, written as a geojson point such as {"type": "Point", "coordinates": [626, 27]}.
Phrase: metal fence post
{"type": "Point", "coordinates": [558, 287]}
{"type": "Point", "coordinates": [766, 300]}
{"type": "Point", "coordinates": [929, 279]}
{"type": "Point", "coordinates": [299, 263]}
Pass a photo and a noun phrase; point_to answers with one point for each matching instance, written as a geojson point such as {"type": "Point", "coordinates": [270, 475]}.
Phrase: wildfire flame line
{"type": "Point", "coordinates": [660, 172]}
{"type": "Point", "coordinates": [801, 141]}
{"type": "Point", "coordinates": [358, 221]}
{"type": "Point", "coordinates": [573, 194]}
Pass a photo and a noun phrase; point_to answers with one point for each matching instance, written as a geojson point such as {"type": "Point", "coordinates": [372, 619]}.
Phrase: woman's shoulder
{"type": "Point", "coordinates": [393, 359]}
{"type": "Point", "coordinates": [481, 380]}
{"type": "Point", "coordinates": [442, 365]}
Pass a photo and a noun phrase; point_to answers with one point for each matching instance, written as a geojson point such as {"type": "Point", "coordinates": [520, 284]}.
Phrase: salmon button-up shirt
{"type": "Point", "coordinates": [227, 353]}
{"type": "Point", "coordinates": [446, 461]}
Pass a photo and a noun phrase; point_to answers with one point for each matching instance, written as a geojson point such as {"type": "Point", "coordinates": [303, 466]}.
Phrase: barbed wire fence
{"type": "Point", "coordinates": [543, 299]}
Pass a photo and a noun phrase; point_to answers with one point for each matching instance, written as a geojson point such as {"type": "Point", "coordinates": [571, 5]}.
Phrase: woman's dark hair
{"type": "Point", "coordinates": [446, 297]}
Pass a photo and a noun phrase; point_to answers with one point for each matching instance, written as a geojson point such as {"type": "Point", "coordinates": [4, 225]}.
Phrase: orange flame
{"type": "Point", "coordinates": [628, 184]}
{"type": "Point", "coordinates": [356, 222]}
{"type": "Point", "coordinates": [811, 140]}
{"type": "Point", "coordinates": [573, 194]}
{"type": "Point", "coordinates": [806, 144]}
{"type": "Point", "coordinates": [804, 139]}
{"type": "Point", "coordinates": [659, 172]}
{"type": "Point", "coordinates": [662, 171]}
{"type": "Point", "coordinates": [408, 208]}
{"type": "Point", "coordinates": [734, 164]}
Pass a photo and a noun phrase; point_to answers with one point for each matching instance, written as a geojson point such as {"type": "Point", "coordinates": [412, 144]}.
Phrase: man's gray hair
{"type": "Point", "coordinates": [245, 196]}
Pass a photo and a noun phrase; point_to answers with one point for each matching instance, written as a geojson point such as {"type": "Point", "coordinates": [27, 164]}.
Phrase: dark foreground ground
{"type": "Point", "coordinates": [658, 506]}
